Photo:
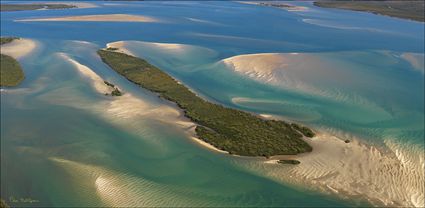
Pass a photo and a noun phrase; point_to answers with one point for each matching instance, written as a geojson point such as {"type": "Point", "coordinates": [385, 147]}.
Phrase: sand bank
{"type": "Point", "coordinates": [95, 80]}
{"type": "Point", "coordinates": [384, 176]}
{"type": "Point", "coordinates": [96, 18]}
{"type": "Point", "coordinates": [171, 55]}
{"type": "Point", "coordinates": [121, 46]}
{"type": "Point", "coordinates": [416, 60]}
{"type": "Point", "coordinates": [19, 48]}
{"type": "Point", "coordinates": [172, 47]}
{"type": "Point", "coordinates": [312, 74]}
{"type": "Point", "coordinates": [127, 108]}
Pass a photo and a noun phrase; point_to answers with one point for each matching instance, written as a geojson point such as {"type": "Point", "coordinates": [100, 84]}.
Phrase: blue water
{"type": "Point", "coordinates": [66, 152]}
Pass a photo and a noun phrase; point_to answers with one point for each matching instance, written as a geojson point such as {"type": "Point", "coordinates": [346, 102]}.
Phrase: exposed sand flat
{"type": "Point", "coordinates": [354, 170]}
{"type": "Point", "coordinates": [416, 60]}
{"type": "Point", "coordinates": [96, 80]}
{"type": "Point", "coordinates": [178, 56]}
{"type": "Point", "coordinates": [19, 48]}
{"type": "Point", "coordinates": [128, 108]}
{"type": "Point", "coordinates": [258, 65]}
{"type": "Point", "coordinates": [314, 74]}
{"type": "Point", "coordinates": [121, 45]}
{"type": "Point", "coordinates": [96, 18]}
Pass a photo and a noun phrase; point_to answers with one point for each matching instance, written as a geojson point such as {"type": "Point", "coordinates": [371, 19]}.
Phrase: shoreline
{"type": "Point", "coordinates": [120, 47]}
{"type": "Point", "coordinates": [19, 48]}
{"type": "Point", "coordinates": [392, 9]}
{"type": "Point", "coordinates": [356, 169]}
{"type": "Point", "coordinates": [339, 167]}
{"type": "Point", "coordinates": [78, 5]}
{"type": "Point", "coordinates": [280, 5]}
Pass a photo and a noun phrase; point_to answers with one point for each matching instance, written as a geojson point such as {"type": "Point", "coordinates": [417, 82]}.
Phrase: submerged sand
{"type": "Point", "coordinates": [19, 48]}
{"type": "Point", "coordinates": [354, 170]}
{"type": "Point", "coordinates": [96, 18]}
{"type": "Point", "coordinates": [416, 60]}
{"type": "Point", "coordinates": [128, 108]}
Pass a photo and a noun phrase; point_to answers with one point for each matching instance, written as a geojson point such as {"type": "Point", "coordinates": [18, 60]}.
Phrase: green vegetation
{"type": "Point", "coordinates": [277, 4]}
{"type": "Point", "coordinates": [111, 49]}
{"type": "Point", "coordinates": [235, 131]}
{"type": "Point", "coordinates": [108, 83]}
{"type": "Point", "coordinates": [303, 130]}
{"type": "Point", "coordinates": [4, 40]}
{"type": "Point", "coordinates": [291, 162]}
{"type": "Point", "coordinates": [115, 92]}
{"type": "Point", "coordinates": [23, 7]}
{"type": "Point", "coordinates": [413, 10]}
{"type": "Point", "coordinates": [11, 73]}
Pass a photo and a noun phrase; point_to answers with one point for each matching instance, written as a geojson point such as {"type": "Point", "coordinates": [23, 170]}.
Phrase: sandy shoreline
{"type": "Point", "coordinates": [280, 5]}
{"type": "Point", "coordinates": [181, 121]}
{"type": "Point", "coordinates": [96, 18]}
{"type": "Point", "coordinates": [128, 106]}
{"type": "Point", "coordinates": [120, 45]}
{"type": "Point", "coordinates": [19, 48]}
{"type": "Point", "coordinates": [353, 169]}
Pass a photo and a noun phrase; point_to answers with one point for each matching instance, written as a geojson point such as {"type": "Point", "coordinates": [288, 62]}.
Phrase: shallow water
{"type": "Point", "coordinates": [65, 144]}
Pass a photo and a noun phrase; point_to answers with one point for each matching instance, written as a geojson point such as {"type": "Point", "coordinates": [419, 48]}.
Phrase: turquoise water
{"type": "Point", "coordinates": [62, 147]}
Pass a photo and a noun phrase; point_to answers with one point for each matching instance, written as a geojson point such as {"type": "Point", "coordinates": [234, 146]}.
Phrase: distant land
{"type": "Point", "coordinates": [413, 10]}
{"type": "Point", "coordinates": [231, 130]}
{"type": "Point", "coordinates": [24, 7]}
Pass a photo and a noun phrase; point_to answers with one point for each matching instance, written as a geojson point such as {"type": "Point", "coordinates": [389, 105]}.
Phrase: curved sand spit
{"type": "Point", "coordinates": [96, 18]}
{"type": "Point", "coordinates": [19, 48]}
{"type": "Point", "coordinates": [173, 55]}
{"type": "Point", "coordinates": [313, 74]}
{"type": "Point", "coordinates": [171, 47]}
{"type": "Point", "coordinates": [121, 47]}
{"type": "Point", "coordinates": [128, 108]}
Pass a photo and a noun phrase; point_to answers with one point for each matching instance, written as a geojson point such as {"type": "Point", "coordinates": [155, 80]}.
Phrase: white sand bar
{"type": "Point", "coordinates": [96, 18]}
{"type": "Point", "coordinates": [79, 5]}
{"type": "Point", "coordinates": [18, 48]}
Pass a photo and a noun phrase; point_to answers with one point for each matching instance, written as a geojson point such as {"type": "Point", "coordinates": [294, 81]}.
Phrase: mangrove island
{"type": "Point", "coordinates": [11, 73]}
{"type": "Point", "coordinates": [231, 130]}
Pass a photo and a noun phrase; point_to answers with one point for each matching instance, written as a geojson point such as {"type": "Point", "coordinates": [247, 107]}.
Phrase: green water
{"type": "Point", "coordinates": [65, 144]}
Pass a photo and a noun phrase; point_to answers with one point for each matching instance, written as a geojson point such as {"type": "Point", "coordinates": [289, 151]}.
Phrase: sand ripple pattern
{"type": "Point", "coordinates": [391, 176]}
